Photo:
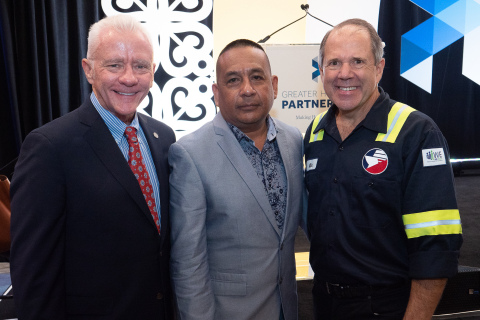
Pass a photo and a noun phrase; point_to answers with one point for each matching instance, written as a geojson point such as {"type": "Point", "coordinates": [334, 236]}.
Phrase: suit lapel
{"type": "Point", "coordinates": [104, 146]}
{"type": "Point", "coordinates": [234, 152]}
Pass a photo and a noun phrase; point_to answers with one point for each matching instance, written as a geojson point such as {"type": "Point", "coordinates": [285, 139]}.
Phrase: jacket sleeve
{"type": "Point", "coordinates": [430, 213]}
{"type": "Point", "coordinates": [189, 263]}
{"type": "Point", "coordinates": [38, 231]}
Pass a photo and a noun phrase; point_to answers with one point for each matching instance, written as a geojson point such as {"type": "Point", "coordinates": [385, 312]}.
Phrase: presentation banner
{"type": "Point", "coordinates": [300, 91]}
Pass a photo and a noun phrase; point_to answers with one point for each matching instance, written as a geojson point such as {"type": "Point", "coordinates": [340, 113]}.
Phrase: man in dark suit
{"type": "Point", "coordinates": [85, 243]}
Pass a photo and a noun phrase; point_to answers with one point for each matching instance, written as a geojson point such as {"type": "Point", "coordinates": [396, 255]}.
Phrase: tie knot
{"type": "Point", "coordinates": [131, 133]}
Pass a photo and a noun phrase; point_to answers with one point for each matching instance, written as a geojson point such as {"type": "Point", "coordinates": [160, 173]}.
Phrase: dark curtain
{"type": "Point", "coordinates": [42, 45]}
{"type": "Point", "coordinates": [454, 103]}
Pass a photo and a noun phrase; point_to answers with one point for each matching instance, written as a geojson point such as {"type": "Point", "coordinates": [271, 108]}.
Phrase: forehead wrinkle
{"type": "Point", "coordinates": [118, 59]}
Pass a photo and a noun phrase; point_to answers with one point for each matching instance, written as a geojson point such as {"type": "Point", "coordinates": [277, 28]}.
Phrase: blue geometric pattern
{"type": "Point", "coordinates": [452, 20]}
{"type": "Point", "coordinates": [434, 7]}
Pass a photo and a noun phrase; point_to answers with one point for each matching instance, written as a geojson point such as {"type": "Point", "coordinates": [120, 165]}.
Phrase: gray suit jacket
{"type": "Point", "coordinates": [229, 259]}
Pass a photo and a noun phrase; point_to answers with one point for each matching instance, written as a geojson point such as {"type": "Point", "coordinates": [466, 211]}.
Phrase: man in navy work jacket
{"type": "Point", "coordinates": [382, 215]}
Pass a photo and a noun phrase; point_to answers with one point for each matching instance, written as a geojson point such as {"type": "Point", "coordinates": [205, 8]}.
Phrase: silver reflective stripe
{"type": "Point", "coordinates": [431, 224]}
{"type": "Point", "coordinates": [394, 122]}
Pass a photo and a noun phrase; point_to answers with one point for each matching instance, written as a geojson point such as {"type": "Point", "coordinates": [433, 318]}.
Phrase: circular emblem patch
{"type": "Point", "coordinates": [375, 161]}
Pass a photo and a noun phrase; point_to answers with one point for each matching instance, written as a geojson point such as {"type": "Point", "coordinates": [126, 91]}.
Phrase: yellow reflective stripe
{"type": "Point", "coordinates": [396, 119]}
{"type": "Point", "coordinates": [431, 223]}
{"type": "Point", "coordinates": [319, 135]}
{"type": "Point", "coordinates": [434, 215]}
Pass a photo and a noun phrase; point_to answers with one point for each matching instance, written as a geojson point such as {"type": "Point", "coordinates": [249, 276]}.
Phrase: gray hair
{"type": "Point", "coordinates": [376, 41]}
{"type": "Point", "coordinates": [121, 23]}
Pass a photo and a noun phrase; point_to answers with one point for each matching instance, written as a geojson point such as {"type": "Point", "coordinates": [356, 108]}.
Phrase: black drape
{"type": "Point", "coordinates": [43, 43]}
{"type": "Point", "coordinates": [454, 103]}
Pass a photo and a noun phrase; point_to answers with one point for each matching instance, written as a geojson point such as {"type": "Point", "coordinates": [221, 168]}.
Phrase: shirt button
{"type": "Point", "coordinates": [332, 213]}
{"type": "Point", "coordinates": [370, 184]}
{"type": "Point", "coordinates": [335, 180]}
{"type": "Point", "coordinates": [159, 296]}
{"type": "Point", "coordinates": [341, 148]}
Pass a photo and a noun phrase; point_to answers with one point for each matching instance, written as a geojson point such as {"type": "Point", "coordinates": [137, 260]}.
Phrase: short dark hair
{"type": "Point", "coordinates": [242, 43]}
{"type": "Point", "coordinates": [376, 42]}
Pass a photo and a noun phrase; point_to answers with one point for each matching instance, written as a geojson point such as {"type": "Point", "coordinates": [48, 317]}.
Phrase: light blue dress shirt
{"type": "Point", "coordinates": [117, 129]}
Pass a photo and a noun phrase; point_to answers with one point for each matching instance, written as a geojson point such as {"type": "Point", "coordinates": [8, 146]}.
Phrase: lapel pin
{"type": "Point", "coordinates": [155, 135]}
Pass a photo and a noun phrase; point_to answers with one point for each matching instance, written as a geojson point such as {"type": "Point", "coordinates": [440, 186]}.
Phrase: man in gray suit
{"type": "Point", "coordinates": [236, 200]}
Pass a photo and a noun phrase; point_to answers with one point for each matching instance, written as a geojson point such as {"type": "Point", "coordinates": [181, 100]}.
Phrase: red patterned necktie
{"type": "Point", "coordinates": [135, 161]}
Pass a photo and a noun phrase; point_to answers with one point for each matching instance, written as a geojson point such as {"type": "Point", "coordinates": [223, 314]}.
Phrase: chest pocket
{"type": "Point", "coordinates": [374, 203]}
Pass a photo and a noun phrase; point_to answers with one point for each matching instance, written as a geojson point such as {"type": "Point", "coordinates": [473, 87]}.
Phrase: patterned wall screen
{"type": "Point", "coordinates": [182, 35]}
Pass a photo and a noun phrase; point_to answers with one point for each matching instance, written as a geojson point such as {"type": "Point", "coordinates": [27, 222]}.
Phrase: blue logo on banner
{"type": "Point", "coordinates": [452, 20]}
{"type": "Point", "coordinates": [316, 73]}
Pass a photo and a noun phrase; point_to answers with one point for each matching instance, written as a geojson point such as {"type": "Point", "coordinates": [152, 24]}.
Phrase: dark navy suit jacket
{"type": "Point", "coordinates": [84, 244]}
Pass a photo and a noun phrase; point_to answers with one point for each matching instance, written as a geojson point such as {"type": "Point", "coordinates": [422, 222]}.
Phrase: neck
{"type": "Point", "coordinates": [347, 121]}
{"type": "Point", "coordinates": [258, 134]}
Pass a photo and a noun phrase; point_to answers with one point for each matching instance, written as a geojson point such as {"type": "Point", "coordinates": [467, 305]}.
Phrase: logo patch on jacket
{"type": "Point", "coordinates": [433, 157]}
{"type": "Point", "coordinates": [375, 161]}
{"type": "Point", "coordinates": [311, 164]}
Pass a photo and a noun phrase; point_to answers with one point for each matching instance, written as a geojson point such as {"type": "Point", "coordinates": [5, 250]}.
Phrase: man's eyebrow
{"type": "Point", "coordinates": [232, 73]}
{"type": "Point", "coordinates": [143, 61]}
{"type": "Point", "coordinates": [333, 59]}
{"type": "Point", "coordinates": [253, 70]}
{"type": "Point", "coordinates": [114, 60]}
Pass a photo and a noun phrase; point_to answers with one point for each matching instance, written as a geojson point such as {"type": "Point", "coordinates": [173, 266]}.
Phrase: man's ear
{"type": "Point", "coordinates": [153, 75]}
{"type": "Point", "coordinates": [275, 86]}
{"type": "Point", "coordinates": [215, 93]}
{"type": "Point", "coordinates": [88, 69]}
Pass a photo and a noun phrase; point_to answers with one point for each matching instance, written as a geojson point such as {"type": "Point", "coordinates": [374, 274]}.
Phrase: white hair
{"type": "Point", "coordinates": [121, 23]}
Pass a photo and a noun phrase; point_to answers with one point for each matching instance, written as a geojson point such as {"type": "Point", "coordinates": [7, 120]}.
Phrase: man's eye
{"type": "Point", "coordinates": [358, 63]}
{"type": "Point", "coordinates": [114, 66]}
{"type": "Point", "coordinates": [233, 80]}
{"type": "Point", "coordinates": [333, 65]}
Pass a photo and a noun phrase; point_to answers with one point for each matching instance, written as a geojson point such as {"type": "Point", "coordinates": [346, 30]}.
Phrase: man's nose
{"type": "Point", "coordinates": [128, 76]}
{"type": "Point", "coordinates": [345, 70]}
{"type": "Point", "coordinates": [247, 88]}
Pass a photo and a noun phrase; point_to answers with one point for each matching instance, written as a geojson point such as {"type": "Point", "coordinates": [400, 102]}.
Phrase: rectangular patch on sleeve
{"type": "Point", "coordinates": [434, 157]}
{"type": "Point", "coordinates": [311, 164]}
